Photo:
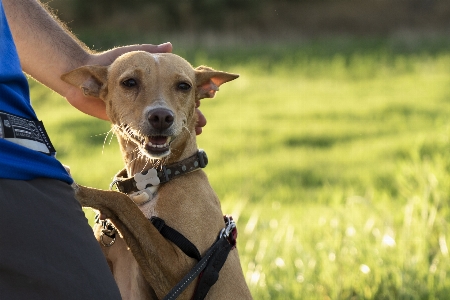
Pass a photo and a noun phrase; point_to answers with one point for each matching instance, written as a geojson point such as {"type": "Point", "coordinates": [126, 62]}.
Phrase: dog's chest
{"type": "Point", "coordinates": [148, 206]}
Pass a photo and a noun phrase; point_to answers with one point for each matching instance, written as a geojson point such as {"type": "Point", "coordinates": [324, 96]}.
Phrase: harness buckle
{"type": "Point", "coordinates": [114, 183]}
{"type": "Point", "coordinates": [230, 230]}
{"type": "Point", "coordinates": [108, 229]}
{"type": "Point", "coordinates": [113, 240]}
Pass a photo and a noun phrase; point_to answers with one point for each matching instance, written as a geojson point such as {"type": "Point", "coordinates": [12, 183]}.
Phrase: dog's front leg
{"type": "Point", "coordinates": [159, 261]}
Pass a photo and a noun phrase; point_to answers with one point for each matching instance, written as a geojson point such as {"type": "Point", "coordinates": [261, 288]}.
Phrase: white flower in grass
{"type": "Point", "coordinates": [254, 277]}
{"type": "Point", "coordinates": [332, 256]}
{"type": "Point", "coordinates": [279, 262]}
{"type": "Point", "coordinates": [364, 269]}
{"type": "Point", "coordinates": [388, 241]}
{"type": "Point", "coordinates": [351, 231]}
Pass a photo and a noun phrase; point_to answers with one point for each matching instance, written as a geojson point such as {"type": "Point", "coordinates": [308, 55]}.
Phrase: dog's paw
{"type": "Point", "coordinates": [75, 187]}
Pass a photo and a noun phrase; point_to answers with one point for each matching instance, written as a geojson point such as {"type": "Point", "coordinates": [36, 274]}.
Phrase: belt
{"type": "Point", "coordinates": [25, 132]}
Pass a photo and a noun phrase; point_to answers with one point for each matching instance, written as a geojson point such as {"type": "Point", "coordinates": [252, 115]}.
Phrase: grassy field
{"type": "Point", "coordinates": [333, 156]}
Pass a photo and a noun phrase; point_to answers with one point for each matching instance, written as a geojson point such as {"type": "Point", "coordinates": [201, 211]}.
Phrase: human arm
{"type": "Point", "coordinates": [47, 50]}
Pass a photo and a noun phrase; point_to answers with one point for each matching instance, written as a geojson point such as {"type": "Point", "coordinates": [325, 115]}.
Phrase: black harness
{"type": "Point", "coordinates": [208, 266]}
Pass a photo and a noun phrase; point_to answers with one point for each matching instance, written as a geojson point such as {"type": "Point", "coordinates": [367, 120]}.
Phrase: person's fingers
{"type": "Point", "coordinates": [201, 122]}
{"type": "Point", "coordinates": [107, 57]}
{"type": "Point", "coordinates": [166, 47]}
{"type": "Point", "coordinates": [162, 48]}
{"type": "Point", "coordinates": [198, 130]}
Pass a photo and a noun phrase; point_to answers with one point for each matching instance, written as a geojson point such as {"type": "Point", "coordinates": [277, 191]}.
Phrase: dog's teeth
{"type": "Point", "coordinates": [157, 146]}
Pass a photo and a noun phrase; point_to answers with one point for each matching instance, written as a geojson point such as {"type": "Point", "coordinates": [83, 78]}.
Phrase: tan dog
{"type": "Point", "coordinates": [150, 100]}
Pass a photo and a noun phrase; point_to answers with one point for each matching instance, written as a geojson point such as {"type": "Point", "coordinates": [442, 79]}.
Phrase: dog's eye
{"type": "Point", "coordinates": [129, 82]}
{"type": "Point", "coordinates": [183, 86]}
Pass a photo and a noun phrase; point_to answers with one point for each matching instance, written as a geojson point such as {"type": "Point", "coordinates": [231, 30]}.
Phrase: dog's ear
{"type": "Point", "coordinates": [90, 79]}
{"type": "Point", "coordinates": [208, 81]}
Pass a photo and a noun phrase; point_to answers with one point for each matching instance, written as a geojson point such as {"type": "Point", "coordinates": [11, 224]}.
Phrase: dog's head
{"type": "Point", "coordinates": [150, 98]}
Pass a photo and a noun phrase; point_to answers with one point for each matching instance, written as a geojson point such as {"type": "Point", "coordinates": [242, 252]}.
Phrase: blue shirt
{"type": "Point", "coordinates": [18, 162]}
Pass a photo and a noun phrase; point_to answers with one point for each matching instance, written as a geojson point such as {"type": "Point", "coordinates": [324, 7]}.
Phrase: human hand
{"type": "Point", "coordinates": [107, 57]}
{"type": "Point", "coordinates": [94, 106]}
{"type": "Point", "coordinates": [201, 120]}
{"type": "Point", "coordinates": [48, 50]}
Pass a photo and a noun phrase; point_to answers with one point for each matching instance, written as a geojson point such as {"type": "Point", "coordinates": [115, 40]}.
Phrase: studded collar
{"type": "Point", "coordinates": [153, 177]}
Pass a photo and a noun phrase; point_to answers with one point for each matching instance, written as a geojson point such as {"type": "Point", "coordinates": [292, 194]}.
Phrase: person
{"type": "Point", "coordinates": [47, 249]}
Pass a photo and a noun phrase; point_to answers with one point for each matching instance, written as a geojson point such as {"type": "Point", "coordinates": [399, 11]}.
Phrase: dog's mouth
{"type": "Point", "coordinates": [157, 144]}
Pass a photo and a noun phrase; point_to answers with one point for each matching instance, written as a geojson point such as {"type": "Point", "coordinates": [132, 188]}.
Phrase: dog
{"type": "Point", "coordinates": [151, 102]}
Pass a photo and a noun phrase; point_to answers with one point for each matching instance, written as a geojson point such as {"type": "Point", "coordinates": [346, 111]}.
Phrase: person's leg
{"type": "Point", "coordinates": [47, 248]}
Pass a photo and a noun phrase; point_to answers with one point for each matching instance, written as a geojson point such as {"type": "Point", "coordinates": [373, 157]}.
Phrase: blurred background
{"type": "Point", "coordinates": [247, 20]}
{"type": "Point", "coordinates": [332, 148]}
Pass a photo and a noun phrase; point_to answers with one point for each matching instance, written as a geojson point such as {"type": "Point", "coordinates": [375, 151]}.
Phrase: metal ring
{"type": "Point", "coordinates": [113, 240]}
{"type": "Point", "coordinates": [113, 183]}
{"type": "Point", "coordinates": [223, 233]}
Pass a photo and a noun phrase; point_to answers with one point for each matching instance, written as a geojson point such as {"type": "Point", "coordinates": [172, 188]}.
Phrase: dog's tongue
{"type": "Point", "coordinates": [158, 140]}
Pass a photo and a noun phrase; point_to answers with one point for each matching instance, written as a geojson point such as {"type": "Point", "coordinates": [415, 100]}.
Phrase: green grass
{"type": "Point", "coordinates": [332, 155]}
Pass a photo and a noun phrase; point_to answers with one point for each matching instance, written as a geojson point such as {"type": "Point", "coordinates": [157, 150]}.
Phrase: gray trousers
{"type": "Point", "coordinates": [47, 248]}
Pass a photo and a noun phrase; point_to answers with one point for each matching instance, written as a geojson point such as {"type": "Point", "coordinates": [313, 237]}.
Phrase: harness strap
{"type": "Point", "coordinates": [198, 268]}
{"type": "Point", "coordinates": [177, 238]}
{"type": "Point", "coordinates": [208, 267]}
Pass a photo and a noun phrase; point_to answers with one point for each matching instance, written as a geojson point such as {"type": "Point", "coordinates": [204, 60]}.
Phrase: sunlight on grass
{"type": "Point", "coordinates": [331, 155]}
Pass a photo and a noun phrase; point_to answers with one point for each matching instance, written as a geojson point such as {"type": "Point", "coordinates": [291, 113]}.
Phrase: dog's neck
{"type": "Point", "coordinates": [136, 162]}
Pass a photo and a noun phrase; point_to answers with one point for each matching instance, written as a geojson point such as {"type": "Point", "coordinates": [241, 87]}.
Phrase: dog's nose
{"type": "Point", "coordinates": [161, 118]}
